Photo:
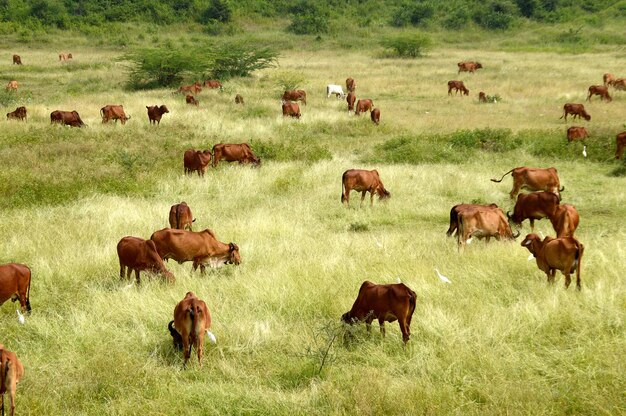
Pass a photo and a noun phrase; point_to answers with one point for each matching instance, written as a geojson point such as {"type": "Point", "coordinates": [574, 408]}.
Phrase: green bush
{"type": "Point", "coordinates": [456, 18]}
{"type": "Point", "coordinates": [494, 140]}
{"type": "Point", "coordinates": [218, 11]}
{"type": "Point", "coordinates": [496, 15]}
{"type": "Point", "coordinates": [294, 150]}
{"type": "Point", "coordinates": [309, 18]}
{"type": "Point", "coordinates": [408, 45]}
{"type": "Point", "coordinates": [412, 14]}
{"type": "Point", "coordinates": [289, 80]}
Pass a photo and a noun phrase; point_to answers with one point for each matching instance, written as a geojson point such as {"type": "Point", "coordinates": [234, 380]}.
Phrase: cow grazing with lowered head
{"type": "Point", "coordinates": [533, 206]}
{"type": "Point", "coordinates": [201, 247]}
{"type": "Point", "coordinates": [576, 133]}
{"type": "Point", "coordinates": [291, 109]}
{"type": "Point", "coordinates": [67, 118]}
{"type": "Point", "coordinates": [601, 90]}
{"type": "Point", "coordinates": [552, 254]}
{"type": "Point", "coordinates": [241, 153]}
{"type": "Point", "coordinates": [457, 86]}
{"type": "Point", "coordinates": [351, 99]}
{"type": "Point", "coordinates": [65, 56]}
{"type": "Point", "coordinates": [534, 179]}
{"type": "Point", "coordinates": [181, 217]}
{"type": "Point", "coordinates": [619, 84]}
{"type": "Point", "coordinates": [137, 254]}
{"type": "Point", "coordinates": [155, 113]}
{"type": "Point", "coordinates": [194, 88]}
{"type": "Point", "coordinates": [608, 79]}
{"type": "Point", "coordinates": [17, 60]}
{"type": "Point", "coordinates": [362, 181]}
{"type": "Point", "coordinates": [565, 220]}
{"type": "Point", "coordinates": [113, 112]}
{"type": "Point", "coordinates": [334, 89]}
{"type": "Point", "coordinates": [350, 84]}
{"type": "Point", "coordinates": [19, 114]}
{"type": "Point", "coordinates": [577, 110]}
{"type": "Point", "coordinates": [483, 223]}
{"type": "Point", "coordinates": [12, 86]}
{"type": "Point", "coordinates": [620, 144]}
{"type": "Point", "coordinates": [213, 84]}
{"type": "Point", "coordinates": [15, 284]}
{"type": "Point", "coordinates": [363, 106]}
{"type": "Point", "coordinates": [196, 161]}
{"type": "Point", "coordinates": [454, 214]}
{"type": "Point", "coordinates": [469, 66]}
{"type": "Point", "coordinates": [191, 100]}
{"type": "Point", "coordinates": [295, 95]}
{"type": "Point", "coordinates": [375, 116]}
{"type": "Point", "coordinates": [11, 372]}
{"type": "Point", "coordinates": [482, 97]}
{"type": "Point", "coordinates": [191, 320]}
{"type": "Point", "coordinates": [239, 99]}
{"type": "Point", "coordinates": [387, 303]}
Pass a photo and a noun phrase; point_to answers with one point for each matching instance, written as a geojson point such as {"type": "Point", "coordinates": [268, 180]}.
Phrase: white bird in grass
{"type": "Point", "coordinates": [20, 317]}
{"type": "Point", "coordinates": [442, 277]}
{"type": "Point", "coordinates": [530, 257]}
{"type": "Point", "coordinates": [211, 337]}
{"type": "Point", "coordinates": [585, 150]}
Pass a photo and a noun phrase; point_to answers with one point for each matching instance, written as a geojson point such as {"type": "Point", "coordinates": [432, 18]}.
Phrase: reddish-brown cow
{"type": "Point", "coordinates": [295, 95]}
{"type": "Point", "coordinates": [239, 99]}
{"type": "Point", "coordinates": [534, 179]}
{"type": "Point", "coordinates": [469, 66]}
{"type": "Point", "coordinates": [11, 372]}
{"type": "Point", "coordinates": [15, 284]}
{"type": "Point", "coordinates": [363, 106]}
{"type": "Point", "coordinates": [457, 209]}
{"type": "Point", "coordinates": [291, 109]}
{"type": "Point", "coordinates": [241, 153]}
{"type": "Point", "coordinates": [137, 254]}
{"type": "Point", "coordinates": [552, 254]}
{"type": "Point", "coordinates": [181, 217]}
{"type": "Point", "coordinates": [577, 110]}
{"type": "Point", "coordinates": [534, 206]}
{"type": "Point", "coordinates": [155, 113]}
{"type": "Point", "coordinates": [191, 320]}
{"type": "Point", "coordinates": [196, 87]}
{"type": "Point", "coordinates": [619, 84]}
{"type": "Point", "coordinates": [482, 97]}
{"type": "Point", "coordinates": [212, 83]}
{"type": "Point", "coordinates": [113, 112]}
{"type": "Point", "coordinates": [576, 133]}
{"type": "Point", "coordinates": [196, 161]}
{"type": "Point", "coordinates": [17, 60]}
{"type": "Point", "coordinates": [565, 220]}
{"type": "Point", "coordinates": [620, 144]}
{"type": "Point", "coordinates": [68, 118]}
{"type": "Point", "coordinates": [362, 181]}
{"type": "Point", "coordinates": [350, 84]}
{"type": "Point", "coordinates": [375, 116]}
{"type": "Point", "coordinates": [190, 99]}
{"type": "Point", "coordinates": [351, 99]}
{"type": "Point", "coordinates": [457, 86]}
{"type": "Point", "coordinates": [608, 79]}
{"type": "Point", "coordinates": [483, 223]}
{"type": "Point", "coordinates": [19, 113]}
{"type": "Point", "coordinates": [601, 90]}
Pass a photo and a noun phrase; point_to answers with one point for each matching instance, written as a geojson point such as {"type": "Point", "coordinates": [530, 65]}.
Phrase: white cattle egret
{"type": "Point", "coordinates": [442, 277]}
{"type": "Point", "coordinates": [211, 337]}
{"type": "Point", "coordinates": [585, 150]}
{"type": "Point", "coordinates": [20, 317]}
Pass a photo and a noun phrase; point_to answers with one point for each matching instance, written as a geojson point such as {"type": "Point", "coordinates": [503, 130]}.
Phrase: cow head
{"type": "Point", "coordinates": [233, 254]}
{"type": "Point", "coordinates": [347, 318]}
{"type": "Point", "coordinates": [530, 242]}
{"type": "Point", "coordinates": [383, 193]}
{"type": "Point", "coordinates": [586, 116]}
{"type": "Point", "coordinates": [478, 65]}
{"type": "Point", "coordinates": [163, 109]}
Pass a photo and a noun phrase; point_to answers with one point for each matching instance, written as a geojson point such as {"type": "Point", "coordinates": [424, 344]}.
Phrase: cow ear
{"type": "Point", "coordinates": [527, 242]}
{"type": "Point", "coordinates": [231, 247]}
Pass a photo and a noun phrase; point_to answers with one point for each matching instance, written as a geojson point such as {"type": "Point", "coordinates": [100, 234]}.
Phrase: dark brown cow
{"type": "Point", "coordinates": [196, 161]}
{"type": "Point", "coordinates": [65, 56]}
{"type": "Point", "coordinates": [387, 303]}
{"type": "Point", "coordinates": [137, 254]}
{"type": "Point", "coordinates": [11, 372]}
{"type": "Point", "coordinates": [469, 66]}
{"type": "Point", "coordinates": [482, 97]}
{"type": "Point", "coordinates": [577, 110]}
{"type": "Point", "coordinates": [291, 109]}
{"type": "Point", "coordinates": [608, 79]}
{"type": "Point", "coordinates": [12, 86]}
{"type": "Point", "coordinates": [351, 99]}
{"type": "Point", "coordinates": [619, 84]}
{"type": "Point", "coordinates": [534, 179]}
{"type": "Point", "coordinates": [113, 112]}
{"type": "Point", "coordinates": [534, 206]}
{"type": "Point", "coordinates": [483, 223]}
{"type": "Point", "coordinates": [15, 284]}
{"type": "Point", "coordinates": [194, 88]}
{"type": "Point", "coordinates": [552, 254]}
{"type": "Point", "coordinates": [238, 99]}
{"type": "Point", "coordinates": [241, 153]}
{"type": "Point", "coordinates": [190, 99]}
{"type": "Point", "coordinates": [294, 95]}
{"type": "Point", "coordinates": [17, 60]}
{"type": "Point", "coordinates": [457, 86]}
{"type": "Point", "coordinates": [212, 83]}
{"type": "Point", "coordinates": [362, 181]}
{"type": "Point", "coordinates": [565, 220]}
{"type": "Point", "coordinates": [601, 90]}
{"type": "Point", "coordinates": [454, 214]}
{"type": "Point", "coordinates": [576, 133]}
{"type": "Point", "coordinates": [350, 85]}
{"type": "Point", "coordinates": [363, 106]}
{"type": "Point", "coordinates": [181, 217]}
{"type": "Point", "coordinates": [620, 144]}
{"type": "Point", "coordinates": [375, 116]}
{"type": "Point", "coordinates": [19, 113]}
{"type": "Point", "coordinates": [68, 118]}
{"type": "Point", "coordinates": [200, 247]}
{"type": "Point", "coordinates": [155, 113]}
{"type": "Point", "coordinates": [191, 320]}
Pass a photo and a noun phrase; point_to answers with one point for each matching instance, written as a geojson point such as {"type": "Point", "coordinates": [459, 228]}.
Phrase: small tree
{"type": "Point", "coordinates": [409, 45]}
{"type": "Point", "coordinates": [309, 18]}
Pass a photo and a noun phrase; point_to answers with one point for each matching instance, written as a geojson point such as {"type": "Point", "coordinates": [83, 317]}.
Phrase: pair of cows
{"type": "Point", "coordinates": [198, 160]}
{"type": "Point", "coordinates": [611, 80]}
{"type": "Point", "coordinates": [338, 91]}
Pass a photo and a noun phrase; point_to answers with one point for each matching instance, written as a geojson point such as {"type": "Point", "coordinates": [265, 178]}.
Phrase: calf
{"type": "Point", "coordinates": [576, 133]}
{"type": "Point", "coordinates": [351, 98]}
{"type": "Point", "coordinates": [155, 113]}
{"type": "Point", "coordinates": [294, 95]}
{"type": "Point", "coordinates": [620, 144]}
{"type": "Point", "coordinates": [191, 320]}
{"type": "Point", "coordinates": [190, 99]}
{"type": "Point", "coordinates": [608, 79]}
{"type": "Point", "coordinates": [457, 209]}
{"type": "Point", "coordinates": [137, 254]}
{"type": "Point", "coordinates": [19, 113]}
{"type": "Point", "coordinates": [601, 90]}
{"type": "Point", "coordinates": [482, 97]}
{"type": "Point", "coordinates": [334, 89]}
{"type": "Point", "coordinates": [213, 84]}
{"type": "Point", "coordinates": [469, 66]}
{"type": "Point", "coordinates": [12, 86]}
{"type": "Point", "coordinates": [11, 372]}
{"type": "Point", "coordinates": [565, 220]}
{"type": "Point", "coordinates": [291, 109]}
{"type": "Point", "coordinates": [181, 217]}
{"type": "Point", "coordinates": [350, 84]}
{"type": "Point", "coordinates": [533, 206]}
{"type": "Point", "coordinates": [387, 303]}
{"type": "Point", "coordinates": [67, 118]}
{"type": "Point", "coordinates": [238, 99]}
{"type": "Point", "coordinates": [241, 153]}
{"type": "Point", "coordinates": [375, 116]}
{"type": "Point", "coordinates": [552, 254]}
{"type": "Point", "coordinates": [362, 181]}
{"type": "Point", "coordinates": [15, 284]}
{"type": "Point", "coordinates": [534, 179]}
{"type": "Point", "coordinates": [577, 110]}
{"type": "Point", "coordinates": [196, 161]}
{"type": "Point", "coordinates": [457, 86]}
{"type": "Point", "coordinates": [17, 60]}
{"type": "Point", "coordinates": [363, 106]}
{"type": "Point", "coordinates": [113, 112]}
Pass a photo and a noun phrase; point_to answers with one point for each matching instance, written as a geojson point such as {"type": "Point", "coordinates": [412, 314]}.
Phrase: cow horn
{"type": "Point", "coordinates": [231, 247]}
{"type": "Point", "coordinates": [562, 189]}
{"type": "Point", "coordinates": [516, 235]}
{"type": "Point", "coordinates": [508, 214]}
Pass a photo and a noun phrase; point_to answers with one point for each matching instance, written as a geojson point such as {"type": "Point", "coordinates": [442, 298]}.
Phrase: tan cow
{"type": "Point", "coordinates": [534, 179]}
{"type": "Point", "coordinates": [15, 284]}
{"type": "Point", "coordinates": [196, 161]}
{"type": "Point", "coordinates": [12, 86]}
{"type": "Point", "coordinates": [469, 66]}
{"type": "Point", "coordinates": [620, 144]}
{"type": "Point", "coordinates": [181, 217]}
{"type": "Point", "coordinates": [565, 220]}
{"type": "Point", "coordinates": [608, 79]}
{"type": "Point", "coordinates": [363, 106]}
{"type": "Point", "coordinates": [454, 214]}
{"type": "Point", "coordinates": [17, 60]}
{"type": "Point", "coordinates": [457, 86]}
{"type": "Point", "coordinates": [11, 372]}
{"type": "Point", "coordinates": [212, 83]}
{"type": "Point", "coordinates": [65, 56]}
{"type": "Point", "coordinates": [362, 181]}
{"type": "Point", "coordinates": [576, 133]}
{"type": "Point", "coordinates": [137, 254]}
{"type": "Point", "coordinates": [194, 88]}
{"type": "Point", "coordinates": [350, 84]}
{"type": "Point", "coordinates": [601, 90]}
{"type": "Point", "coordinates": [483, 223]}
{"type": "Point", "coordinates": [291, 109]}
{"type": "Point", "coordinates": [351, 98]}
{"type": "Point", "coordinates": [577, 110]}
{"type": "Point", "coordinates": [113, 112]}
{"type": "Point", "coordinates": [19, 114]}
{"type": "Point", "coordinates": [552, 254]}
{"type": "Point", "coordinates": [191, 320]}
{"type": "Point", "coordinates": [294, 95]}
{"type": "Point", "coordinates": [230, 152]}
{"type": "Point", "coordinates": [191, 100]}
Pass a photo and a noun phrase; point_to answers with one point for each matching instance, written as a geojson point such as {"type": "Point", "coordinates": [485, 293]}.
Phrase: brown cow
{"type": "Point", "coordinates": [201, 247]}
{"type": "Point", "coordinates": [565, 220]}
{"type": "Point", "coordinates": [65, 56]}
{"type": "Point", "coordinates": [181, 217]}
{"type": "Point", "coordinates": [155, 113]}
{"type": "Point", "coordinates": [620, 144]}
{"type": "Point", "coordinates": [350, 85]}
{"type": "Point", "coordinates": [482, 97]}
{"type": "Point", "coordinates": [619, 84]}
{"type": "Point", "coordinates": [608, 79]}
{"type": "Point", "coordinates": [552, 254]}
{"type": "Point", "coordinates": [241, 153]}
{"type": "Point", "coordinates": [238, 99]}
{"type": "Point", "coordinates": [137, 254]}
{"type": "Point", "coordinates": [576, 133]}
{"type": "Point", "coordinates": [454, 214]}
{"type": "Point", "coordinates": [191, 320]}
{"type": "Point", "coordinates": [457, 86]}
{"type": "Point", "coordinates": [534, 179]}
{"type": "Point", "coordinates": [68, 118]}
{"type": "Point", "coordinates": [11, 372]}
{"type": "Point", "coordinates": [375, 116]}
{"type": "Point", "coordinates": [19, 113]}
{"type": "Point", "coordinates": [291, 109]}
{"type": "Point", "coordinates": [212, 83]}
{"type": "Point", "coordinates": [483, 223]}
{"type": "Point", "coordinates": [196, 160]}
{"type": "Point", "coordinates": [17, 60]}
{"type": "Point", "coordinates": [113, 112]}
{"type": "Point", "coordinates": [363, 106]}
{"type": "Point", "coordinates": [387, 303]}
{"type": "Point", "coordinates": [15, 284]}
{"type": "Point", "coordinates": [294, 95]}
{"type": "Point", "coordinates": [351, 98]}
{"type": "Point", "coordinates": [577, 110]}
{"type": "Point", "coordinates": [190, 99]}
{"type": "Point", "coordinates": [196, 87]}
{"type": "Point", "coordinates": [469, 66]}
{"type": "Point", "coordinates": [12, 86]}
{"type": "Point", "coordinates": [601, 90]}
{"type": "Point", "coordinates": [362, 181]}
{"type": "Point", "coordinates": [534, 206]}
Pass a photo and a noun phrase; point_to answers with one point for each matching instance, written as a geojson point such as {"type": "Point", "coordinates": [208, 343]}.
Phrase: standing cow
{"type": "Point", "coordinates": [375, 116]}
{"type": "Point", "coordinates": [239, 99]}
{"type": "Point", "coordinates": [469, 66]}
{"type": "Point", "coordinates": [137, 254]}
{"type": "Point", "coordinates": [19, 114]}
{"type": "Point", "coordinates": [229, 152]}
{"type": "Point", "coordinates": [576, 133]}
{"type": "Point", "coordinates": [577, 110]}
{"type": "Point", "coordinates": [191, 320]}
{"type": "Point", "coordinates": [155, 113]}
{"type": "Point", "coordinates": [15, 284]}
{"type": "Point", "coordinates": [350, 84]}
{"type": "Point", "coordinates": [362, 181]}
{"type": "Point", "coordinates": [196, 161]}
{"type": "Point", "coordinates": [291, 109]}
{"type": "Point", "coordinates": [67, 118]}
{"type": "Point", "coordinates": [191, 100]}
{"type": "Point", "coordinates": [533, 179]}
{"type": "Point", "coordinates": [17, 60]}
{"type": "Point", "coordinates": [552, 254]}
{"type": "Point", "coordinates": [363, 106]}
{"type": "Point", "coordinates": [11, 372]}
{"type": "Point", "coordinates": [294, 95]}
{"type": "Point", "coordinates": [181, 217]}
{"type": "Point", "coordinates": [601, 90]}
{"type": "Point", "coordinates": [457, 86]}
{"type": "Point", "coordinates": [12, 86]}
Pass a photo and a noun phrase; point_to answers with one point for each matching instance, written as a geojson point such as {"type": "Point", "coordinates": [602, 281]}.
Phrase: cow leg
{"type": "Point", "coordinates": [122, 271]}
{"type": "Point", "coordinates": [368, 323]}
{"type": "Point", "coordinates": [137, 276]}
{"type": "Point", "coordinates": [568, 280]}
{"type": "Point", "coordinates": [383, 331]}
{"type": "Point", "coordinates": [363, 197]}
{"type": "Point", "coordinates": [487, 238]}
{"type": "Point", "coordinates": [532, 225]}
{"type": "Point", "coordinates": [551, 274]}
{"type": "Point", "coordinates": [186, 348]}
{"type": "Point", "coordinates": [406, 331]}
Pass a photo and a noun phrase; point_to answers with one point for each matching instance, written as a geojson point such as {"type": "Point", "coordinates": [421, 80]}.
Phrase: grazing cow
{"type": "Point", "coordinates": [565, 220]}
{"type": "Point", "coordinates": [351, 100]}
{"type": "Point", "coordinates": [350, 85]}
{"type": "Point", "coordinates": [469, 66]}
{"type": "Point", "coordinates": [533, 206]}
{"type": "Point", "coordinates": [201, 247]}
{"type": "Point", "coordinates": [457, 86]}
{"type": "Point", "coordinates": [19, 113]}
{"type": "Point", "coordinates": [294, 95]}
{"type": "Point", "coordinates": [576, 133]}
{"type": "Point", "coordinates": [534, 179]}
{"type": "Point", "coordinates": [138, 254]}
{"type": "Point", "coordinates": [241, 153]}
{"type": "Point", "coordinates": [67, 118]}
{"type": "Point", "coordinates": [113, 112]}
{"type": "Point", "coordinates": [155, 113]}
{"type": "Point", "coordinates": [196, 87]}
{"type": "Point", "coordinates": [239, 99]}
{"type": "Point", "coordinates": [181, 217]}
{"type": "Point", "coordinates": [65, 56]}
{"type": "Point", "coordinates": [362, 181]}
{"type": "Point", "coordinates": [11, 372]}
{"type": "Point", "coordinates": [334, 89]}
{"type": "Point", "coordinates": [375, 116]}
{"type": "Point", "coordinates": [552, 254]}
{"type": "Point", "coordinates": [608, 79]}
{"type": "Point", "coordinates": [363, 106]}
{"type": "Point", "coordinates": [212, 83]}
{"type": "Point", "coordinates": [619, 84]}
{"type": "Point", "coordinates": [454, 214]}
{"type": "Point", "coordinates": [483, 223]}
{"type": "Point", "coordinates": [620, 144]}
{"type": "Point", "coordinates": [601, 90]}
{"type": "Point", "coordinates": [190, 99]}
{"type": "Point", "coordinates": [191, 320]}
{"type": "Point", "coordinates": [196, 160]}
{"type": "Point", "coordinates": [291, 109]}
{"type": "Point", "coordinates": [387, 303]}
{"type": "Point", "coordinates": [17, 60]}
{"type": "Point", "coordinates": [482, 97]}
{"type": "Point", "coordinates": [15, 284]}
{"type": "Point", "coordinates": [577, 110]}
{"type": "Point", "coordinates": [12, 86]}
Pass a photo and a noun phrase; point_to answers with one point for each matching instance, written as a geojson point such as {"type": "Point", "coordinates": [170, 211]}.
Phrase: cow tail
{"type": "Point", "coordinates": [343, 191]}
{"type": "Point", "coordinates": [460, 230]}
{"type": "Point", "coordinates": [178, 216]}
{"type": "Point", "coordinates": [30, 278]}
{"type": "Point", "coordinates": [579, 255]}
{"type": "Point", "coordinates": [192, 334]}
{"type": "Point", "coordinates": [495, 180]}
{"type": "Point", "coordinates": [454, 218]}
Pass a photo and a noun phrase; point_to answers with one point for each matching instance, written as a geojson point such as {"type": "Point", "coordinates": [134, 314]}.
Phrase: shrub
{"type": "Point", "coordinates": [496, 15]}
{"type": "Point", "coordinates": [240, 59]}
{"type": "Point", "coordinates": [409, 45]}
{"type": "Point", "coordinates": [414, 14]}
{"type": "Point", "coordinates": [289, 80]}
{"type": "Point", "coordinates": [218, 11]}
{"type": "Point", "coordinates": [456, 18]}
{"type": "Point", "coordinates": [309, 18]}
{"type": "Point", "coordinates": [494, 140]}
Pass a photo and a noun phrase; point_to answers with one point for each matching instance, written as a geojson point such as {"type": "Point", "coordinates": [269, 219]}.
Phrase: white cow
{"type": "Point", "coordinates": [334, 89]}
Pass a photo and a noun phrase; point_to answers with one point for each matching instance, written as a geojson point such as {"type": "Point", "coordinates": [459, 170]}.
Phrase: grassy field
{"type": "Point", "coordinates": [498, 340]}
